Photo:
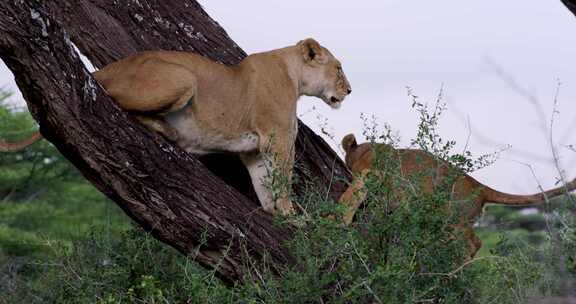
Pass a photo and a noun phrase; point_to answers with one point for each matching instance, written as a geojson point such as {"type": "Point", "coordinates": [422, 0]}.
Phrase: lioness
{"type": "Point", "coordinates": [360, 160]}
{"type": "Point", "coordinates": [248, 109]}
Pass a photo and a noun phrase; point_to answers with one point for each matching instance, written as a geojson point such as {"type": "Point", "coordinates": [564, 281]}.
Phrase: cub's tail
{"type": "Point", "coordinates": [494, 196]}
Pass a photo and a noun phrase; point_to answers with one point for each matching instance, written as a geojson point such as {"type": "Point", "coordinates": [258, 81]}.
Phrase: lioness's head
{"type": "Point", "coordinates": [322, 74]}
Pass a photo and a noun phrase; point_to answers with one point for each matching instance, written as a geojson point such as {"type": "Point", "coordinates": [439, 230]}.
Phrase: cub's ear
{"type": "Point", "coordinates": [349, 143]}
{"type": "Point", "coordinates": [311, 50]}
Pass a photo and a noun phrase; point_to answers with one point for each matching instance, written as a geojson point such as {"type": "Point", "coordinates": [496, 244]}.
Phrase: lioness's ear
{"type": "Point", "coordinates": [349, 143]}
{"type": "Point", "coordinates": [311, 50]}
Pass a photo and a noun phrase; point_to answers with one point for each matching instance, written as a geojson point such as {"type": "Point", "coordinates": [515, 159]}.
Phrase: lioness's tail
{"type": "Point", "coordinates": [14, 147]}
{"type": "Point", "coordinates": [498, 197]}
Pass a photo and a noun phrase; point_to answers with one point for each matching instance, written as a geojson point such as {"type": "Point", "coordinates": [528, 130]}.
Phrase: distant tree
{"type": "Point", "coordinates": [26, 172]}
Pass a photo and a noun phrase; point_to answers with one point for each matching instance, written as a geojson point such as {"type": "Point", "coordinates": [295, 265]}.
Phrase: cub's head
{"type": "Point", "coordinates": [322, 74]}
{"type": "Point", "coordinates": [359, 157]}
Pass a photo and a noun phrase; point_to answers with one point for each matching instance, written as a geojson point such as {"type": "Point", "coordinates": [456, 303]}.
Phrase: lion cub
{"type": "Point", "coordinates": [360, 158]}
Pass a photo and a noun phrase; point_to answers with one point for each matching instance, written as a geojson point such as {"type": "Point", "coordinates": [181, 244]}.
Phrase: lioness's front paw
{"type": "Point", "coordinates": [285, 207]}
{"type": "Point", "coordinates": [279, 210]}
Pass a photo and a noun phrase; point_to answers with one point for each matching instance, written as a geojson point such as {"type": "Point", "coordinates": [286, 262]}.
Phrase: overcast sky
{"type": "Point", "coordinates": [477, 50]}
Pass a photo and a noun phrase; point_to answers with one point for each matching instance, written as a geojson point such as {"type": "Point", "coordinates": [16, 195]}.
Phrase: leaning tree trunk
{"type": "Point", "coordinates": [571, 5]}
{"type": "Point", "coordinates": [204, 208]}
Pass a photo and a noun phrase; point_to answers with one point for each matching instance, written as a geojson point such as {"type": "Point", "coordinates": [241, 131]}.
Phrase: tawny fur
{"type": "Point", "coordinates": [248, 109]}
{"type": "Point", "coordinates": [360, 158]}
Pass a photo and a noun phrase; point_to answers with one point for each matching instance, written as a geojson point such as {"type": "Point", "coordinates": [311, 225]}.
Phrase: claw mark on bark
{"type": "Point", "coordinates": [70, 45]}
{"type": "Point", "coordinates": [38, 19]}
{"type": "Point", "coordinates": [90, 89]}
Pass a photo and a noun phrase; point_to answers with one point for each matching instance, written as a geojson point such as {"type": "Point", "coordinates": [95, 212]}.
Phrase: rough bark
{"type": "Point", "coordinates": [571, 5]}
{"type": "Point", "coordinates": [165, 190]}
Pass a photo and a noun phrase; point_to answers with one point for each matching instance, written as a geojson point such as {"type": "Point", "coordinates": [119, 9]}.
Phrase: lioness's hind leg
{"type": "Point", "coordinates": [148, 84]}
{"type": "Point", "coordinates": [182, 101]}
{"type": "Point", "coordinates": [158, 124]}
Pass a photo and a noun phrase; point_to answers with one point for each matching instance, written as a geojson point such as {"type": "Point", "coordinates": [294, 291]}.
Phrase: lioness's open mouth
{"type": "Point", "coordinates": [334, 102]}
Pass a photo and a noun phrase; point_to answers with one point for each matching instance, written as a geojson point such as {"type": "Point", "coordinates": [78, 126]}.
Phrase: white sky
{"type": "Point", "coordinates": [387, 45]}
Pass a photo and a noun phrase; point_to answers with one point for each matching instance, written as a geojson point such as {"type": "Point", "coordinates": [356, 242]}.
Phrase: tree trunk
{"type": "Point", "coordinates": [204, 208]}
{"type": "Point", "coordinates": [571, 5]}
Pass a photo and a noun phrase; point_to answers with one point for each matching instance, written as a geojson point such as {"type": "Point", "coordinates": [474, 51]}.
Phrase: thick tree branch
{"type": "Point", "coordinates": [571, 5]}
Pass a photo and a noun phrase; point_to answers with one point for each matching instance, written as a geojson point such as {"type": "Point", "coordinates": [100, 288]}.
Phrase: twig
{"type": "Point", "coordinates": [461, 267]}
